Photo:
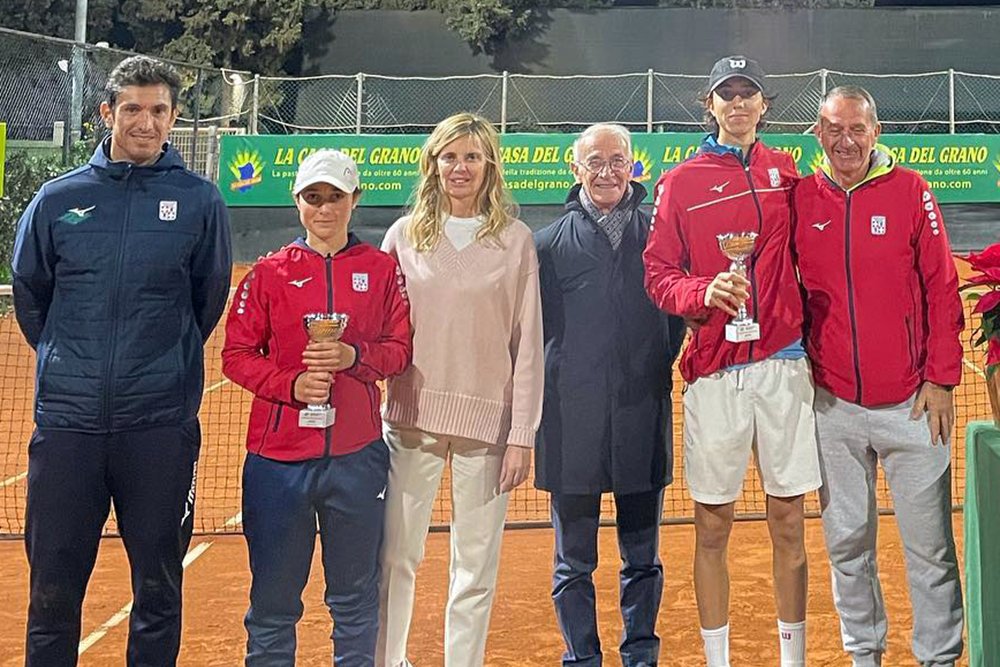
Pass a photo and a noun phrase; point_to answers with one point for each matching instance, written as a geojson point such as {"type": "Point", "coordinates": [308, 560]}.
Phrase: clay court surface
{"type": "Point", "coordinates": [523, 630]}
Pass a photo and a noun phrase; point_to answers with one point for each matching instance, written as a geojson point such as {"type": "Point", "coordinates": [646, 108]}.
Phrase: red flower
{"type": "Point", "coordinates": [987, 266]}
{"type": "Point", "coordinates": [987, 260]}
{"type": "Point", "coordinates": [988, 302]}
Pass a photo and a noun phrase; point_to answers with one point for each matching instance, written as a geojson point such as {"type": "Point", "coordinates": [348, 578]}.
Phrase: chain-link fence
{"type": "Point", "coordinates": [50, 91]}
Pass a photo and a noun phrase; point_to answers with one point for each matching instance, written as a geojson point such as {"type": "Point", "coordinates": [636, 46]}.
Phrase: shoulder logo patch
{"type": "Point", "coordinates": [878, 225]}
{"type": "Point", "coordinates": [168, 210]}
{"type": "Point", "coordinates": [359, 281]}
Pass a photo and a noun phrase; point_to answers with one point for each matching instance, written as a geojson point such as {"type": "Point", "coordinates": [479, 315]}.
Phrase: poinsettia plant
{"type": "Point", "coordinates": [984, 288]}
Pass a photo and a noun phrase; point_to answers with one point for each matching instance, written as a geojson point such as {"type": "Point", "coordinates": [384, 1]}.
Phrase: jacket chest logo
{"type": "Point", "coordinates": [359, 281]}
{"type": "Point", "coordinates": [774, 176]}
{"type": "Point", "coordinates": [168, 210]}
{"type": "Point", "coordinates": [75, 216]}
{"type": "Point", "coordinates": [878, 225]}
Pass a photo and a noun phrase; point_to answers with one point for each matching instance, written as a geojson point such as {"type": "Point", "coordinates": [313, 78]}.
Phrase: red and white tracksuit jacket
{"type": "Point", "coordinates": [715, 193]}
{"type": "Point", "coordinates": [265, 338]}
{"type": "Point", "coordinates": [883, 312]}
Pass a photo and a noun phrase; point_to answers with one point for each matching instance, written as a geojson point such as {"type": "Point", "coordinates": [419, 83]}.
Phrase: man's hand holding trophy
{"type": "Point", "coordinates": [729, 290]}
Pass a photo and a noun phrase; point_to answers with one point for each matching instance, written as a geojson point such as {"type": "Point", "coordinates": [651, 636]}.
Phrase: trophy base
{"type": "Point", "coordinates": [741, 332]}
{"type": "Point", "coordinates": [318, 417]}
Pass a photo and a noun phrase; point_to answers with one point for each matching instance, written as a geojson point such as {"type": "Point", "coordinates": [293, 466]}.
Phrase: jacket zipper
{"type": "Point", "coordinates": [328, 434]}
{"type": "Point", "coordinates": [115, 299]}
{"type": "Point", "coordinates": [753, 265]}
{"type": "Point", "coordinates": [850, 298]}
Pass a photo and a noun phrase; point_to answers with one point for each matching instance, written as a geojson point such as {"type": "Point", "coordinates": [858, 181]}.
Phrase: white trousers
{"type": "Point", "coordinates": [417, 462]}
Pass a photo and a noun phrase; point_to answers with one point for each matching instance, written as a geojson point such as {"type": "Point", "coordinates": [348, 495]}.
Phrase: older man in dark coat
{"type": "Point", "coordinates": [606, 422]}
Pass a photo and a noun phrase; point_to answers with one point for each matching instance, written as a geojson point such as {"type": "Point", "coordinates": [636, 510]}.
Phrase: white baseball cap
{"type": "Point", "coordinates": [327, 166]}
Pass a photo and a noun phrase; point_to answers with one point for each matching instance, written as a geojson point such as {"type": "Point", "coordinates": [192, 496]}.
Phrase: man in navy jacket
{"type": "Point", "coordinates": [121, 270]}
{"type": "Point", "coordinates": [606, 421]}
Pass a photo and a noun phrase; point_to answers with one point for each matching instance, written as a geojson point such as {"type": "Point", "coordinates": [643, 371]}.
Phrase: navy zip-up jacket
{"type": "Point", "coordinates": [606, 416]}
{"type": "Point", "coordinates": [120, 274]}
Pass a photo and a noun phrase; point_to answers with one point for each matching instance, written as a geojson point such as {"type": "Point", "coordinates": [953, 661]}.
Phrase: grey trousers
{"type": "Point", "coordinates": [852, 441]}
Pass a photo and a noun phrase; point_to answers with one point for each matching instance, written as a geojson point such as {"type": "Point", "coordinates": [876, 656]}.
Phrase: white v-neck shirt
{"type": "Point", "coordinates": [462, 231]}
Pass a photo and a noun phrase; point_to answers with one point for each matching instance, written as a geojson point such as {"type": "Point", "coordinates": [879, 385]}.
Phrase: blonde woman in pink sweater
{"type": "Point", "coordinates": [473, 397]}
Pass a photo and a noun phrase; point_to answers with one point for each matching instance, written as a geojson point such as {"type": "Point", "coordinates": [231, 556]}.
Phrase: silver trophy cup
{"type": "Point", "coordinates": [322, 327]}
{"type": "Point", "coordinates": [738, 246]}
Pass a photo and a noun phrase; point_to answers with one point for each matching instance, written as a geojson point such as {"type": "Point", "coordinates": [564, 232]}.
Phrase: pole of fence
{"type": "Point", "coordinates": [255, 108]}
{"type": "Point", "coordinates": [649, 100]}
{"type": "Point", "coordinates": [822, 82]}
{"type": "Point", "coordinates": [76, 93]}
{"type": "Point", "coordinates": [359, 107]}
{"type": "Point", "coordinates": [503, 102]}
{"type": "Point", "coordinates": [951, 101]}
{"type": "Point", "coordinates": [197, 120]}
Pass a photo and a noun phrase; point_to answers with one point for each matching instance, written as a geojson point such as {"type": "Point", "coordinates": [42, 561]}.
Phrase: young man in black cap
{"type": "Point", "coordinates": [749, 385]}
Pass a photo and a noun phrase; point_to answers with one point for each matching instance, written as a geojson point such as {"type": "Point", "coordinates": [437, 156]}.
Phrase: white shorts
{"type": "Point", "coordinates": [766, 407]}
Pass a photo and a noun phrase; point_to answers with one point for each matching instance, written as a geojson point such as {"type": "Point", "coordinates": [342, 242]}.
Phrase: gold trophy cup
{"type": "Point", "coordinates": [738, 247]}
{"type": "Point", "coordinates": [321, 327]}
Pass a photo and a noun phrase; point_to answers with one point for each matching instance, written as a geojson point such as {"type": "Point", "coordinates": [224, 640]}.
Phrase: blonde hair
{"type": "Point", "coordinates": [430, 203]}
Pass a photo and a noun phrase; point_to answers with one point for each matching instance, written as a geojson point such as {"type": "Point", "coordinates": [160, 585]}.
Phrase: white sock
{"type": "Point", "coordinates": [792, 639]}
{"type": "Point", "coordinates": [716, 646]}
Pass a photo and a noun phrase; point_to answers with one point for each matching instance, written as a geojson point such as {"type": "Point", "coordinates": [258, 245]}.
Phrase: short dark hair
{"type": "Point", "coordinates": [851, 93]}
{"type": "Point", "coordinates": [142, 71]}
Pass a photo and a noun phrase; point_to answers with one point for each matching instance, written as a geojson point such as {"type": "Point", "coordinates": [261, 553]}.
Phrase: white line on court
{"type": "Point", "coordinates": [235, 520]}
{"type": "Point", "coordinates": [120, 615]}
{"type": "Point", "coordinates": [217, 385]}
{"type": "Point", "coordinates": [13, 480]}
{"type": "Point", "coordinates": [975, 369]}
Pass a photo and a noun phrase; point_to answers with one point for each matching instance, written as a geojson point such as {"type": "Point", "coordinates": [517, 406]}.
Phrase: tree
{"type": "Point", "coordinates": [57, 18]}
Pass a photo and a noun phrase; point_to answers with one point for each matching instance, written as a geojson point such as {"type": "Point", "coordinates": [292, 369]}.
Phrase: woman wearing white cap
{"type": "Point", "coordinates": [307, 465]}
{"type": "Point", "coordinates": [473, 397]}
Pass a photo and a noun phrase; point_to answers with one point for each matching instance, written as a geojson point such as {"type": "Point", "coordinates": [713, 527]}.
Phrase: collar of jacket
{"type": "Point", "coordinates": [573, 198]}
{"type": "Point", "coordinates": [710, 145]}
{"type": "Point", "coordinates": [352, 241]}
{"type": "Point", "coordinates": [101, 159]}
{"type": "Point", "coordinates": [882, 163]}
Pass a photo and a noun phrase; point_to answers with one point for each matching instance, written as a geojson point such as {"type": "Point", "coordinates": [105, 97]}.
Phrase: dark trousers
{"type": "Point", "coordinates": [575, 519]}
{"type": "Point", "coordinates": [281, 505]}
{"type": "Point", "coordinates": [72, 480]}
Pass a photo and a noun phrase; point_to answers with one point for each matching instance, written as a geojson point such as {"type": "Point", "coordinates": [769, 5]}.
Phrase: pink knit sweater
{"type": "Point", "coordinates": [477, 339]}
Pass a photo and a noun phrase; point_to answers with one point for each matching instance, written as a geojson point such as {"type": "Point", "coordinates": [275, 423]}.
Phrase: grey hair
{"type": "Point", "coordinates": [851, 93]}
{"type": "Point", "coordinates": [618, 130]}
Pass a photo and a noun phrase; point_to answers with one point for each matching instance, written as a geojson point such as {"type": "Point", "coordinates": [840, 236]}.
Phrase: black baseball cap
{"type": "Point", "coordinates": [733, 66]}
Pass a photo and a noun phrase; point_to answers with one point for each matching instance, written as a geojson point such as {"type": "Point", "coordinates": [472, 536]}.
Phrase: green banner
{"type": "Point", "coordinates": [3, 153]}
{"type": "Point", "coordinates": [258, 170]}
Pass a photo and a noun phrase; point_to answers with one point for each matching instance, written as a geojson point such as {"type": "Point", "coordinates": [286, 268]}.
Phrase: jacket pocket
{"type": "Point", "coordinates": [910, 347]}
{"type": "Point", "coordinates": [272, 421]}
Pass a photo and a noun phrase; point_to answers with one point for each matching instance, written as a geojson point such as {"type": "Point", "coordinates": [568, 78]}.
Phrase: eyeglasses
{"type": "Point", "coordinates": [616, 164]}
{"type": "Point", "coordinates": [729, 93]}
{"type": "Point", "coordinates": [452, 159]}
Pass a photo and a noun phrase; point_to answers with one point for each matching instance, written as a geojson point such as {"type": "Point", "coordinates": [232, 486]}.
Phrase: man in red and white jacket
{"type": "Point", "coordinates": [754, 395]}
{"type": "Point", "coordinates": [883, 319]}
